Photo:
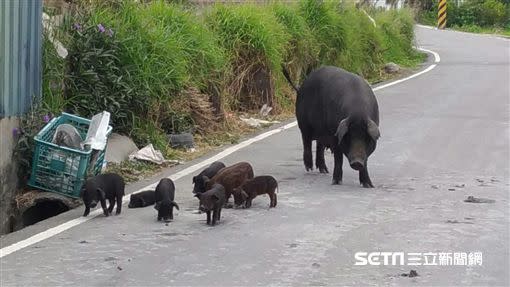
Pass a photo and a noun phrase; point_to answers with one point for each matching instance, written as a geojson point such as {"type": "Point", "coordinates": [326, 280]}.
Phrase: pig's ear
{"type": "Point", "coordinates": [342, 128]}
{"type": "Point", "coordinates": [101, 193]}
{"type": "Point", "coordinates": [373, 130]}
{"type": "Point", "coordinates": [157, 205]}
{"type": "Point", "coordinates": [205, 179]}
{"type": "Point", "coordinates": [142, 201]}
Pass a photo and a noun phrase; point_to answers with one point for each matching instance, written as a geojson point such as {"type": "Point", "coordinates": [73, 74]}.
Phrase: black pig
{"type": "Point", "coordinates": [212, 200]}
{"type": "Point", "coordinates": [209, 172]}
{"type": "Point", "coordinates": [165, 193]}
{"type": "Point", "coordinates": [142, 199]}
{"type": "Point", "coordinates": [339, 110]}
{"type": "Point", "coordinates": [100, 188]}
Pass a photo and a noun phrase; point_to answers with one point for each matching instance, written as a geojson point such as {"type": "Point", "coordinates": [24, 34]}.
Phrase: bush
{"type": "Point", "coordinates": [397, 32]}
{"type": "Point", "coordinates": [364, 44]}
{"type": "Point", "coordinates": [156, 52]}
{"type": "Point", "coordinates": [256, 44]}
{"type": "Point", "coordinates": [327, 27]}
{"type": "Point", "coordinates": [302, 54]}
{"type": "Point", "coordinates": [96, 78]}
{"type": "Point", "coordinates": [493, 13]}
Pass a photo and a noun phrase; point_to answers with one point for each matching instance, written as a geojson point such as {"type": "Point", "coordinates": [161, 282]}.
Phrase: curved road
{"type": "Point", "coordinates": [445, 136]}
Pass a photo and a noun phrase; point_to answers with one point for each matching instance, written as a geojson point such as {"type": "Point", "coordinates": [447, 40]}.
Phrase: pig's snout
{"type": "Point", "coordinates": [93, 204]}
{"type": "Point", "coordinates": [357, 164]}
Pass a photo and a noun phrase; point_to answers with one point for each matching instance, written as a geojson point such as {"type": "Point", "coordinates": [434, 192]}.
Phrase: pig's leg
{"type": "Point", "coordinates": [275, 200]}
{"type": "Point", "coordinates": [112, 204]}
{"type": "Point", "coordinates": [214, 217]}
{"type": "Point", "coordinates": [247, 204]}
{"type": "Point", "coordinates": [320, 163]}
{"type": "Point", "coordinates": [119, 204]}
{"type": "Point", "coordinates": [227, 204]}
{"type": "Point", "coordinates": [337, 172]}
{"type": "Point", "coordinates": [219, 214]}
{"type": "Point", "coordinates": [87, 211]}
{"type": "Point", "coordinates": [364, 178]}
{"type": "Point", "coordinates": [103, 205]}
{"type": "Point", "coordinates": [271, 198]}
{"type": "Point", "coordinates": [172, 213]}
{"type": "Point", "coordinates": [307, 151]}
{"type": "Point", "coordinates": [208, 217]}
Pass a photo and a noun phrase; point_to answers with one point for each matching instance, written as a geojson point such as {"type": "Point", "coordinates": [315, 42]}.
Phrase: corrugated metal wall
{"type": "Point", "coordinates": [20, 55]}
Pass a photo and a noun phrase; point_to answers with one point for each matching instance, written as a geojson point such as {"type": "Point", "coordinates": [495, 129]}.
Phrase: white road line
{"type": "Point", "coordinates": [67, 225]}
{"type": "Point", "coordinates": [426, 27]}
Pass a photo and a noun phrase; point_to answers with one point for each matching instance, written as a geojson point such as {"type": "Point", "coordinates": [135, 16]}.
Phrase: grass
{"type": "Point", "coordinates": [327, 27]}
{"type": "Point", "coordinates": [484, 30]}
{"type": "Point", "coordinates": [256, 44]}
{"type": "Point", "coordinates": [398, 37]}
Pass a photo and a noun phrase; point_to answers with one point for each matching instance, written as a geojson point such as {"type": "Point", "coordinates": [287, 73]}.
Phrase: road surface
{"type": "Point", "coordinates": [444, 138]}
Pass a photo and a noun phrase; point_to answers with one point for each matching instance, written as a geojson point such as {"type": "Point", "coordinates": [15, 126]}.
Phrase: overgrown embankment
{"type": "Point", "coordinates": [164, 68]}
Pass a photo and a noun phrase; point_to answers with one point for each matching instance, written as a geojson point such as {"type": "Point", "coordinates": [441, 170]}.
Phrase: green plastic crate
{"type": "Point", "coordinates": [60, 169]}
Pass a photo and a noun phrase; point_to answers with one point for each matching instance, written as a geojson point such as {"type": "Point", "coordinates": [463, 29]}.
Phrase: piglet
{"type": "Point", "coordinates": [100, 188]}
{"type": "Point", "coordinates": [164, 195]}
{"type": "Point", "coordinates": [142, 199]}
{"type": "Point", "coordinates": [209, 172]}
{"type": "Point", "coordinates": [212, 200]}
{"type": "Point", "coordinates": [231, 177]}
{"type": "Point", "coordinates": [256, 186]}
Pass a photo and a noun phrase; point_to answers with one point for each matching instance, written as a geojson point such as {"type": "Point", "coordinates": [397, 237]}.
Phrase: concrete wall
{"type": "Point", "coordinates": [8, 172]}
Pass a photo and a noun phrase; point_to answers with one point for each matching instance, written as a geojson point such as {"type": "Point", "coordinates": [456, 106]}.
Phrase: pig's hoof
{"type": "Point", "coordinates": [367, 185]}
{"type": "Point", "coordinates": [323, 170]}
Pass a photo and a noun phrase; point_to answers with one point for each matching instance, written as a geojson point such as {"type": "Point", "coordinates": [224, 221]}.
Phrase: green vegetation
{"type": "Point", "coordinates": [397, 28]}
{"type": "Point", "coordinates": [480, 16]}
{"type": "Point", "coordinates": [163, 68]}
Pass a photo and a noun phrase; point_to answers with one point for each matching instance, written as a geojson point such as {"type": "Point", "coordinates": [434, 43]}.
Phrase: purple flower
{"type": "Point", "coordinates": [109, 32]}
{"type": "Point", "coordinates": [77, 26]}
{"type": "Point", "coordinates": [15, 132]}
{"type": "Point", "coordinates": [46, 118]}
{"type": "Point", "coordinates": [101, 28]}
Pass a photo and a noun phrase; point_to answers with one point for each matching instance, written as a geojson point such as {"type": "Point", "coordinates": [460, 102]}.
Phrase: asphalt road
{"type": "Point", "coordinates": [445, 136]}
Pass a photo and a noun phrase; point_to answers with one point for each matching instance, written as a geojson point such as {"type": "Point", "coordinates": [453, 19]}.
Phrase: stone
{"type": "Point", "coordinates": [184, 140]}
{"type": "Point", "coordinates": [391, 68]}
{"type": "Point", "coordinates": [119, 147]}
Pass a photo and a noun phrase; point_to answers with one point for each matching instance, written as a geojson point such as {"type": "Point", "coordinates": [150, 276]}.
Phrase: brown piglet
{"type": "Point", "coordinates": [256, 186]}
{"type": "Point", "coordinates": [231, 177]}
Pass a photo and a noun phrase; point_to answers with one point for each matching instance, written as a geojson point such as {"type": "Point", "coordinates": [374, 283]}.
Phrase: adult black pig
{"type": "Point", "coordinates": [339, 110]}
